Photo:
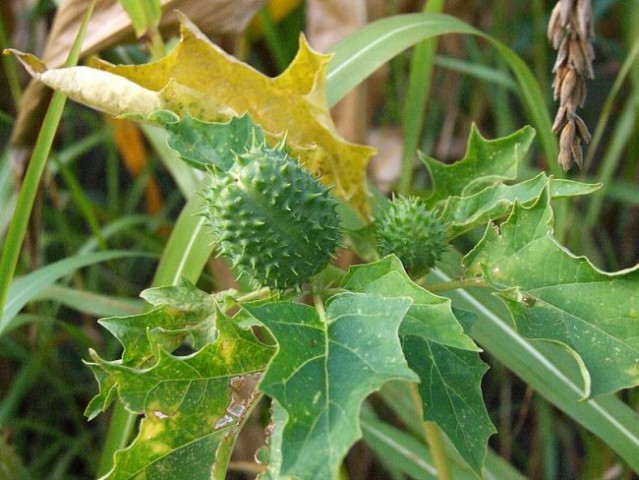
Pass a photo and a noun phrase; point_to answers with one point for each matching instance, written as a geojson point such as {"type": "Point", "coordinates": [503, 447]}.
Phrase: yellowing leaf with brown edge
{"type": "Point", "coordinates": [200, 79]}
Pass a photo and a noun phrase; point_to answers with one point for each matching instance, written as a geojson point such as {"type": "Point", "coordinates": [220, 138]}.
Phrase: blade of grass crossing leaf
{"type": "Point", "coordinates": [26, 198]}
{"type": "Point", "coordinates": [414, 459]}
{"type": "Point", "coordinates": [398, 449]}
{"type": "Point", "coordinates": [369, 48]}
{"type": "Point", "coordinates": [92, 303]}
{"type": "Point", "coordinates": [551, 373]}
{"type": "Point", "coordinates": [418, 89]}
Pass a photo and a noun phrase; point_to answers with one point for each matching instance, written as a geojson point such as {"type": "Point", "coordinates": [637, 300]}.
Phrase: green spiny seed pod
{"type": "Point", "coordinates": [271, 218]}
{"type": "Point", "coordinates": [412, 232]}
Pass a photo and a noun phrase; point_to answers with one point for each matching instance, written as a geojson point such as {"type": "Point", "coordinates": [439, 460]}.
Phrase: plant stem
{"type": "Point", "coordinates": [121, 421]}
{"type": "Point", "coordinates": [433, 437]}
{"type": "Point", "coordinates": [156, 47]}
{"type": "Point", "coordinates": [255, 295]}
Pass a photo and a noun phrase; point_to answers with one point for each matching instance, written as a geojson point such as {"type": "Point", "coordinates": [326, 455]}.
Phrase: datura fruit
{"type": "Point", "coordinates": [271, 218]}
{"type": "Point", "coordinates": [413, 233]}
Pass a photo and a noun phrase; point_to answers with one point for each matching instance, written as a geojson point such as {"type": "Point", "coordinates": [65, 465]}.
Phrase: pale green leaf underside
{"type": "Point", "coordinates": [462, 213]}
{"type": "Point", "coordinates": [429, 315]}
{"type": "Point", "coordinates": [204, 145]}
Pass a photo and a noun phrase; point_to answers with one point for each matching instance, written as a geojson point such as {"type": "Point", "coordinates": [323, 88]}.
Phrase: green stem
{"type": "Point", "coordinates": [438, 451]}
{"type": "Point", "coordinates": [26, 198]}
{"type": "Point", "coordinates": [414, 110]}
{"type": "Point", "coordinates": [122, 421]}
{"type": "Point", "coordinates": [156, 46]}
{"type": "Point", "coordinates": [433, 437]}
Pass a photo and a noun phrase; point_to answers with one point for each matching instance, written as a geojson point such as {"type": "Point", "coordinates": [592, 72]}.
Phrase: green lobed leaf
{"type": "Point", "coordinates": [182, 313]}
{"type": "Point", "coordinates": [556, 296]}
{"type": "Point", "coordinates": [206, 144]}
{"type": "Point", "coordinates": [451, 393]}
{"type": "Point", "coordinates": [178, 314]}
{"type": "Point", "coordinates": [193, 405]}
{"type": "Point", "coordinates": [429, 315]}
{"type": "Point", "coordinates": [546, 367]}
{"type": "Point", "coordinates": [325, 368]}
{"type": "Point", "coordinates": [485, 162]}
{"type": "Point", "coordinates": [463, 213]}
{"type": "Point", "coordinates": [439, 351]}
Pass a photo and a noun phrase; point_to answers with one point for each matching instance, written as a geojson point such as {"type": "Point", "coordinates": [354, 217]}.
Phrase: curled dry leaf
{"type": "Point", "coordinates": [110, 25]}
{"type": "Point", "coordinates": [97, 89]}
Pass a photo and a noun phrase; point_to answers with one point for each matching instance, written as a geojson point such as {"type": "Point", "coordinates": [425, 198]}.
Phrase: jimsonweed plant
{"type": "Point", "coordinates": [280, 195]}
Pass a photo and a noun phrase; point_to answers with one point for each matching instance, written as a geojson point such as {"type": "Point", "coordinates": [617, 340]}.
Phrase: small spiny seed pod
{"type": "Point", "coordinates": [271, 218]}
{"type": "Point", "coordinates": [414, 234]}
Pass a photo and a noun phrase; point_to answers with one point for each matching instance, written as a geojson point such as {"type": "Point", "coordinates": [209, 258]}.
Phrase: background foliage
{"type": "Point", "coordinates": [107, 187]}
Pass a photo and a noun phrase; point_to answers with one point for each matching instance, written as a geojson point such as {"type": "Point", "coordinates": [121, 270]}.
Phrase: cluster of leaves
{"type": "Point", "coordinates": [379, 326]}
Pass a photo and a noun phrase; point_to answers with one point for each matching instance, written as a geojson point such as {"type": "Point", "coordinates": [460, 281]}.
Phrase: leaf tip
{"type": "Point", "coordinates": [31, 63]}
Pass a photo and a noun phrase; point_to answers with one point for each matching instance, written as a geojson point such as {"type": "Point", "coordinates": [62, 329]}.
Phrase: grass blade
{"type": "Point", "coordinates": [551, 372]}
{"type": "Point", "coordinates": [419, 84]}
{"type": "Point", "coordinates": [27, 196]}
{"type": "Point", "coordinates": [366, 50]}
{"type": "Point", "coordinates": [26, 288]}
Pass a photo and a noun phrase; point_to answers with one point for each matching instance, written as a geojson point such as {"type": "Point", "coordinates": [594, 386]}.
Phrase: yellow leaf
{"type": "Point", "coordinates": [199, 78]}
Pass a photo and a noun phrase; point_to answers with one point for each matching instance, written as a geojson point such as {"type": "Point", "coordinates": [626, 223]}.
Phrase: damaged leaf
{"type": "Point", "coordinates": [199, 79]}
